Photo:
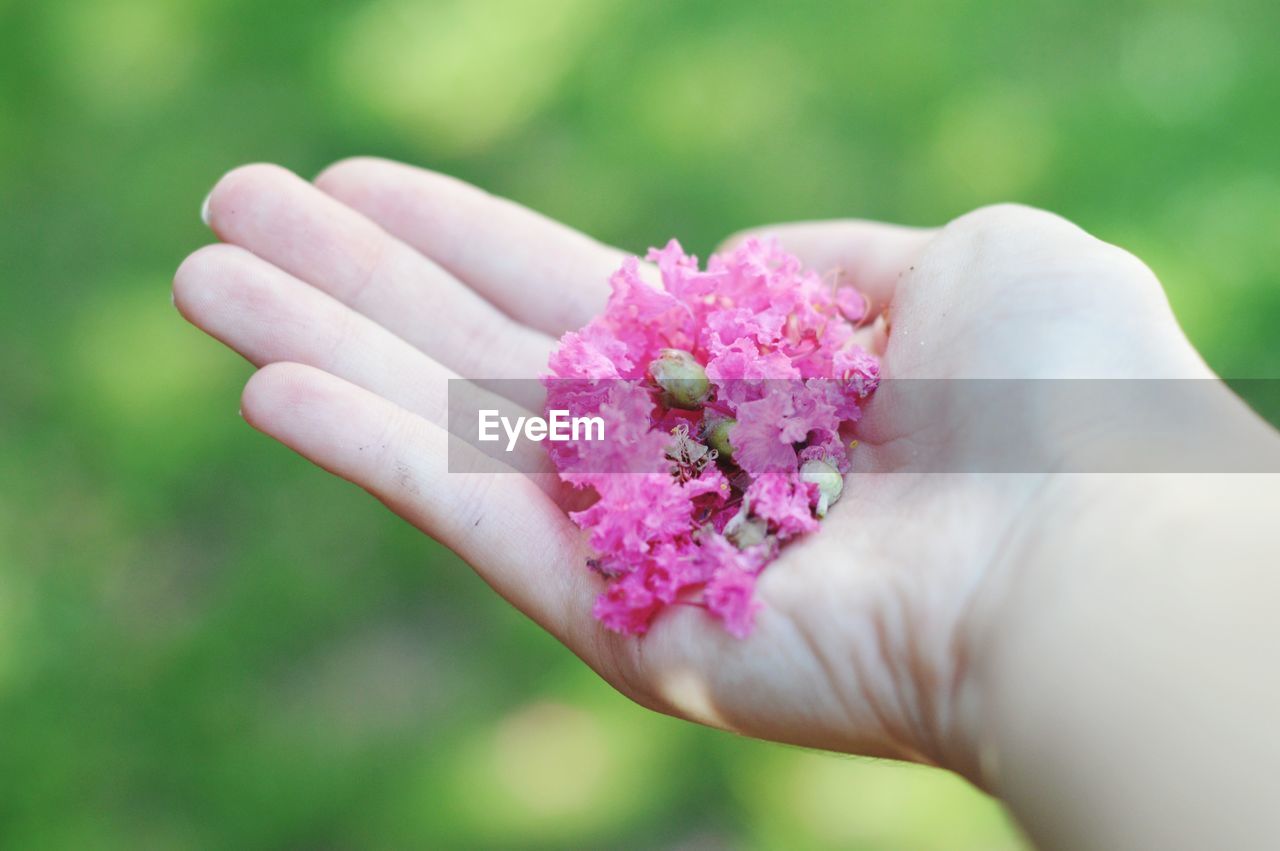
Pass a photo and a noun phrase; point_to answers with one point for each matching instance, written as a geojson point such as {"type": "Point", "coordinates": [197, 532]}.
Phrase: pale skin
{"type": "Point", "coordinates": [1097, 650]}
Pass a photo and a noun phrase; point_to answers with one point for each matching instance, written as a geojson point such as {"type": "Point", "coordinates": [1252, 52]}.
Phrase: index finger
{"type": "Point", "coordinates": [537, 271]}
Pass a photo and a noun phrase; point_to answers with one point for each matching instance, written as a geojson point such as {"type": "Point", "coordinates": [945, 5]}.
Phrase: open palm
{"type": "Point", "coordinates": [360, 295]}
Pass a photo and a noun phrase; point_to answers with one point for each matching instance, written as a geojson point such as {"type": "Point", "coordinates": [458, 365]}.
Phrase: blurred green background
{"type": "Point", "coordinates": [206, 643]}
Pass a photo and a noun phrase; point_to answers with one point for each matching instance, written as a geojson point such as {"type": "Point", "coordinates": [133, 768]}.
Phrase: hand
{"type": "Point", "coordinates": [359, 296]}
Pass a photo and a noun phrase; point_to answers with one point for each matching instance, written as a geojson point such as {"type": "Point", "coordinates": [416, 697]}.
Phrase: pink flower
{"type": "Point", "coordinates": [730, 596]}
{"type": "Point", "coordinates": [627, 606]}
{"type": "Point", "coordinates": [783, 375]}
{"type": "Point", "coordinates": [634, 512]}
{"type": "Point", "coordinates": [852, 304]}
{"type": "Point", "coordinates": [766, 431]}
{"type": "Point", "coordinates": [785, 502]}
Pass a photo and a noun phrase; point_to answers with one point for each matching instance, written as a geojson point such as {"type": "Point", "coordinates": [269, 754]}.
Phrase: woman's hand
{"type": "Point", "coordinates": [361, 295]}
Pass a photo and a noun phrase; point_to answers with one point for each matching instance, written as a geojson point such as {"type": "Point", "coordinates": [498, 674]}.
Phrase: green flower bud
{"type": "Point", "coordinates": [682, 379]}
{"type": "Point", "coordinates": [828, 479]}
{"type": "Point", "coordinates": [744, 529]}
{"type": "Point", "coordinates": [716, 434]}
{"type": "Point", "coordinates": [749, 533]}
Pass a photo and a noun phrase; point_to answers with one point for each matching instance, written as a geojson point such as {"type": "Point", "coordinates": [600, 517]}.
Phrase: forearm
{"type": "Point", "coordinates": [1131, 698]}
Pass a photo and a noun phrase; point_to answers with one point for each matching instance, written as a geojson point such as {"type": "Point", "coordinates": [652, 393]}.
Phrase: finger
{"type": "Point", "coordinates": [870, 255]}
{"type": "Point", "coordinates": [512, 534]}
{"type": "Point", "coordinates": [537, 271]}
{"type": "Point", "coordinates": [268, 316]}
{"type": "Point", "coordinates": [289, 223]}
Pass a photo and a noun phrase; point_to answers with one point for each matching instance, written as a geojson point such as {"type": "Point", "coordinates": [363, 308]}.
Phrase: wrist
{"type": "Point", "coordinates": [1089, 564]}
{"type": "Point", "coordinates": [1114, 645]}
{"type": "Point", "coordinates": [1023, 639]}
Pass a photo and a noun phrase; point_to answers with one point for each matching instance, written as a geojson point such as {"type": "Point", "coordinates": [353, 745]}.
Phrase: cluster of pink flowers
{"type": "Point", "coordinates": [723, 394]}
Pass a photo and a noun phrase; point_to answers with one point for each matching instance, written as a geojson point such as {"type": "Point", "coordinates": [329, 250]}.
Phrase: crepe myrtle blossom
{"type": "Point", "coordinates": [723, 392]}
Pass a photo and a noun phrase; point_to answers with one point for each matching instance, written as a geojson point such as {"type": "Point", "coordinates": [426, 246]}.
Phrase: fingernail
{"type": "Point", "coordinates": [204, 209]}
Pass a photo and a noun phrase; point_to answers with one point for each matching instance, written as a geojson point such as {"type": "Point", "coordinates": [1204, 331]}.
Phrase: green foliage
{"type": "Point", "coordinates": [205, 643]}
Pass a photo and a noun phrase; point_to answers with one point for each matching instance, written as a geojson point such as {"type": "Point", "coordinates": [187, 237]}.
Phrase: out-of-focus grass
{"type": "Point", "coordinates": [206, 643]}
